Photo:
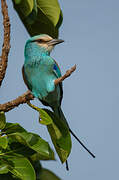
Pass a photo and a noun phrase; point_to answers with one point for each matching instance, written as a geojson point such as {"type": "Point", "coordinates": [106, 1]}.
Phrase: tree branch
{"type": "Point", "coordinates": [67, 74]}
{"type": "Point", "coordinates": [16, 102]}
{"type": "Point", "coordinates": [6, 42]}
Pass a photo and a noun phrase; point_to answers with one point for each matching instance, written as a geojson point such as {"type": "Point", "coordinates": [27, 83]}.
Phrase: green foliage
{"type": "Point", "coordinates": [25, 6]}
{"type": "Point", "coordinates": [58, 131]}
{"type": "Point", "coordinates": [20, 167]}
{"type": "Point", "coordinates": [39, 16]}
{"type": "Point", "coordinates": [44, 118]}
{"type": "Point", "coordinates": [3, 142]}
{"type": "Point", "coordinates": [19, 152]}
{"type": "Point", "coordinates": [30, 140]}
{"type": "Point", "coordinates": [2, 120]}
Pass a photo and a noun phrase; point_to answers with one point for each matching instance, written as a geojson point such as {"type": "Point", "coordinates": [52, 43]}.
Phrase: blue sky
{"type": "Point", "coordinates": [91, 95]}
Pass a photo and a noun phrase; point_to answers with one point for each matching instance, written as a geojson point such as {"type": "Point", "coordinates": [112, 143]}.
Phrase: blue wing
{"type": "Point", "coordinates": [57, 72]}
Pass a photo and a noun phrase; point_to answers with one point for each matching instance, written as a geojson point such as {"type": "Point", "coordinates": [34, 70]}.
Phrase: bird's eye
{"type": "Point", "coordinates": [40, 41]}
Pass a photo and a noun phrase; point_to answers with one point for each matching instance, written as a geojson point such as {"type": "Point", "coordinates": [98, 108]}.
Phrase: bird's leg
{"type": "Point", "coordinates": [67, 74]}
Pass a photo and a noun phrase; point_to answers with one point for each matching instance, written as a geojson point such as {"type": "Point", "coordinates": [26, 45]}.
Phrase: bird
{"type": "Point", "coordinates": [40, 71]}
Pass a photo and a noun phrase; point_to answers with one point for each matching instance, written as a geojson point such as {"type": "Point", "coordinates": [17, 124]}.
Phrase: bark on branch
{"type": "Point", "coordinates": [16, 102]}
{"type": "Point", "coordinates": [66, 75]}
{"type": "Point", "coordinates": [6, 41]}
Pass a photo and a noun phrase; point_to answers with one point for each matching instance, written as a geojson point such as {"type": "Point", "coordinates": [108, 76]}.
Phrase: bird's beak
{"type": "Point", "coordinates": [55, 41]}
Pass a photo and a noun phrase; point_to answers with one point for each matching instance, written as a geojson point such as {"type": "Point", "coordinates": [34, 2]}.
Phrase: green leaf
{"type": "Point", "coordinates": [13, 128]}
{"type": "Point", "coordinates": [25, 7]}
{"type": "Point", "coordinates": [58, 131]}
{"type": "Point", "coordinates": [2, 120]}
{"type": "Point", "coordinates": [20, 167]}
{"type": "Point", "coordinates": [50, 9]}
{"type": "Point", "coordinates": [34, 142]}
{"type": "Point", "coordinates": [60, 135]}
{"type": "Point", "coordinates": [3, 142]}
{"type": "Point", "coordinates": [8, 176]}
{"type": "Point", "coordinates": [17, 1]}
{"type": "Point", "coordinates": [62, 143]}
{"type": "Point", "coordinates": [23, 169]}
{"type": "Point", "coordinates": [18, 148]}
{"type": "Point", "coordinates": [60, 20]}
{"type": "Point", "coordinates": [3, 167]}
{"type": "Point", "coordinates": [48, 175]}
{"type": "Point", "coordinates": [42, 17]}
{"type": "Point", "coordinates": [44, 117]}
{"type": "Point", "coordinates": [42, 147]}
{"type": "Point", "coordinates": [18, 135]}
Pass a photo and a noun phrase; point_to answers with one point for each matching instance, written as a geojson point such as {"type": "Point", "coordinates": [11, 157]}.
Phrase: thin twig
{"type": "Point", "coordinates": [67, 74]}
{"type": "Point", "coordinates": [32, 106]}
{"type": "Point", "coordinates": [6, 41]}
{"type": "Point", "coordinates": [24, 98]}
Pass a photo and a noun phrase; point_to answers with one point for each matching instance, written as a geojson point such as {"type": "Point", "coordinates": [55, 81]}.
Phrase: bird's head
{"type": "Point", "coordinates": [44, 42]}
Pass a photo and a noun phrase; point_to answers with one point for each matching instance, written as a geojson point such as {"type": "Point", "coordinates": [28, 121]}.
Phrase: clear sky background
{"type": "Point", "coordinates": [91, 95]}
